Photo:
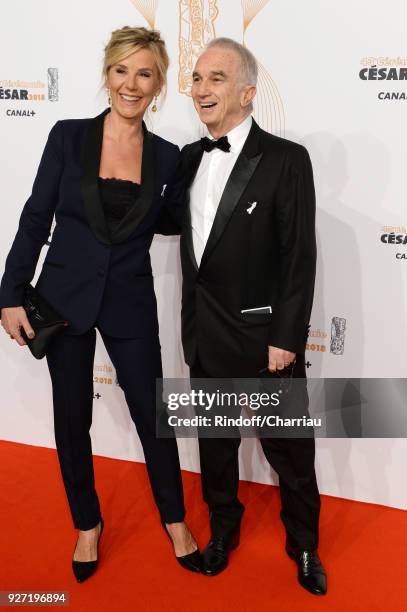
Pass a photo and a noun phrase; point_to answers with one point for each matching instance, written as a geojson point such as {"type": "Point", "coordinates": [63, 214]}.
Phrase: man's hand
{"type": "Point", "coordinates": [12, 319]}
{"type": "Point", "coordinates": [279, 358]}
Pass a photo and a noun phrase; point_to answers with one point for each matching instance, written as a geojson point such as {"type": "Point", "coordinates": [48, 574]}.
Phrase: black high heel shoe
{"type": "Point", "coordinates": [192, 561]}
{"type": "Point", "coordinates": [85, 569]}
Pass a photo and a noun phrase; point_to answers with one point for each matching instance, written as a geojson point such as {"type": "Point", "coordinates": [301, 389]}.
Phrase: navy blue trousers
{"type": "Point", "coordinates": [138, 364]}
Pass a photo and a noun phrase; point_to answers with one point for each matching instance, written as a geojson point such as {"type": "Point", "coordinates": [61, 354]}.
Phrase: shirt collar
{"type": "Point", "coordinates": [238, 135]}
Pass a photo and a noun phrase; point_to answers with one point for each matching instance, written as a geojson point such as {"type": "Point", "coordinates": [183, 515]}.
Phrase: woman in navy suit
{"type": "Point", "coordinates": [104, 180]}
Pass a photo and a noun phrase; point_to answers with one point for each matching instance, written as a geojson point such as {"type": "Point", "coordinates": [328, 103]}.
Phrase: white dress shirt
{"type": "Point", "coordinates": [209, 184]}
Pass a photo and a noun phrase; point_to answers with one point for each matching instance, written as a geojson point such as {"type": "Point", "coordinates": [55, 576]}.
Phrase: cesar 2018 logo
{"type": "Point", "coordinates": [30, 91]}
{"type": "Point", "coordinates": [337, 340]}
{"type": "Point", "coordinates": [385, 69]}
{"type": "Point", "coordinates": [396, 236]}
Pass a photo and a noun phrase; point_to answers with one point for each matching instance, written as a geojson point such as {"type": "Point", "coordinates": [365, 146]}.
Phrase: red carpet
{"type": "Point", "coordinates": [364, 547]}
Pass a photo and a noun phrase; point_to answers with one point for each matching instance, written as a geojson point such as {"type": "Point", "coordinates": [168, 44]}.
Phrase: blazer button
{"type": "Point", "coordinates": [101, 272]}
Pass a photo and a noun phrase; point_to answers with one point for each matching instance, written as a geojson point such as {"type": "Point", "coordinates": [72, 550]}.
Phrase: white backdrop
{"type": "Point", "coordinates": [311, 91]}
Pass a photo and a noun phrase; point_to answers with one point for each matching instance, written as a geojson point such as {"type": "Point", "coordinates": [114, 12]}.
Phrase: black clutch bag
{"type": "Point", "coordinates": [44, 320]}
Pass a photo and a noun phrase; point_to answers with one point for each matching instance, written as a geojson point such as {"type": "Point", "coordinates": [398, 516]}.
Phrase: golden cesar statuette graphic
{"type": "Point", "coordinates": [196, 29]}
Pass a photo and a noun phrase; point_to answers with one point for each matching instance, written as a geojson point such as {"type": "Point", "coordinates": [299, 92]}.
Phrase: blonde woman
{"type": "Point", "coordinates": [104, 181]}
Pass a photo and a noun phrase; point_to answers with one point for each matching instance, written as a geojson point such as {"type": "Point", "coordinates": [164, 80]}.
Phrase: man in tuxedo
{"type": "Point", "coordinates": [248, 258]}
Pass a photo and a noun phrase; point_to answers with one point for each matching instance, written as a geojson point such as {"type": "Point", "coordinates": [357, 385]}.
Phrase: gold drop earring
{"type": "Point", "coordinates": [154, 107]}
{"type": "Point", "coordinates": [109, 97]}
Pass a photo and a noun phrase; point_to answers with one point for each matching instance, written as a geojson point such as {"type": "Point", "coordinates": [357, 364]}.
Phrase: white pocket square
{"type": "Point", "coordinates": [251, 207]}
{"type": "Point", "coordinates": [163, 189]}
{"type": "Point", "coordinates": [258, 310]}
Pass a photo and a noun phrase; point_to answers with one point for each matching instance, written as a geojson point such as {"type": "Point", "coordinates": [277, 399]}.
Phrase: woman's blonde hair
{"type": "Point", "coordinates": [127, 40]}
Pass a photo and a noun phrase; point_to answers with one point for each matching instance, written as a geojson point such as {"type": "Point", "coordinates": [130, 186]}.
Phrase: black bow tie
{"type": "Point", "coordinates": [208, 145]}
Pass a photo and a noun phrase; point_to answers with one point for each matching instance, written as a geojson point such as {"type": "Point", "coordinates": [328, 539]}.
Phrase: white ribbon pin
{"type": "Point", "coordinates": [251, 207]}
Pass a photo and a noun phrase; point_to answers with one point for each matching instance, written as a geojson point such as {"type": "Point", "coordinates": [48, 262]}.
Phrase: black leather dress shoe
{"type": "Point", "coordinates": [192, 561]}
{"type": "Point", "coordinates": [216, 555]}
{"type": "Point", "coordinates": [311, 572]}
{"type": "Point", "coordinates": [85, 569]}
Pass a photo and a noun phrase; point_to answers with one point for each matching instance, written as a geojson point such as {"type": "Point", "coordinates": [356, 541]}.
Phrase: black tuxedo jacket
{"type": "Point", "coordinates": [257, 255]}
{"type": "Point", "coordinates": [87, 276]}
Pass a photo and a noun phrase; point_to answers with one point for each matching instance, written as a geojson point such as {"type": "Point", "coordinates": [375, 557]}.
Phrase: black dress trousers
{"type": "Point", "coordinates": [293, 460]}
{"type": "Point", "coordinates": [138, 364]}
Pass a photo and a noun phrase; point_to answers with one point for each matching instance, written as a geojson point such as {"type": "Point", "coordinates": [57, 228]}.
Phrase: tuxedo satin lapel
{"type": "Point", "coordinates": [136, 214]}
{"type": "Point", "coordinates": [89, 179]}
{"type": "Point", "coordinates": [193, 157]}
{"type": "Point", "coordinates": [192, 162]}
{"type": "Point", "coordinates": [240, 176]}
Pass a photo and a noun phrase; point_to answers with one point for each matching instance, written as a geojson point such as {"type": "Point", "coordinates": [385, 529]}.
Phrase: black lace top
{"type": "Point", "coordinates": [118, 196]}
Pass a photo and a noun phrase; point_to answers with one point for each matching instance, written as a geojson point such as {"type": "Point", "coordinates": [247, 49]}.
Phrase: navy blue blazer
{"type": "Point", "coordinates": [87, 276]}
